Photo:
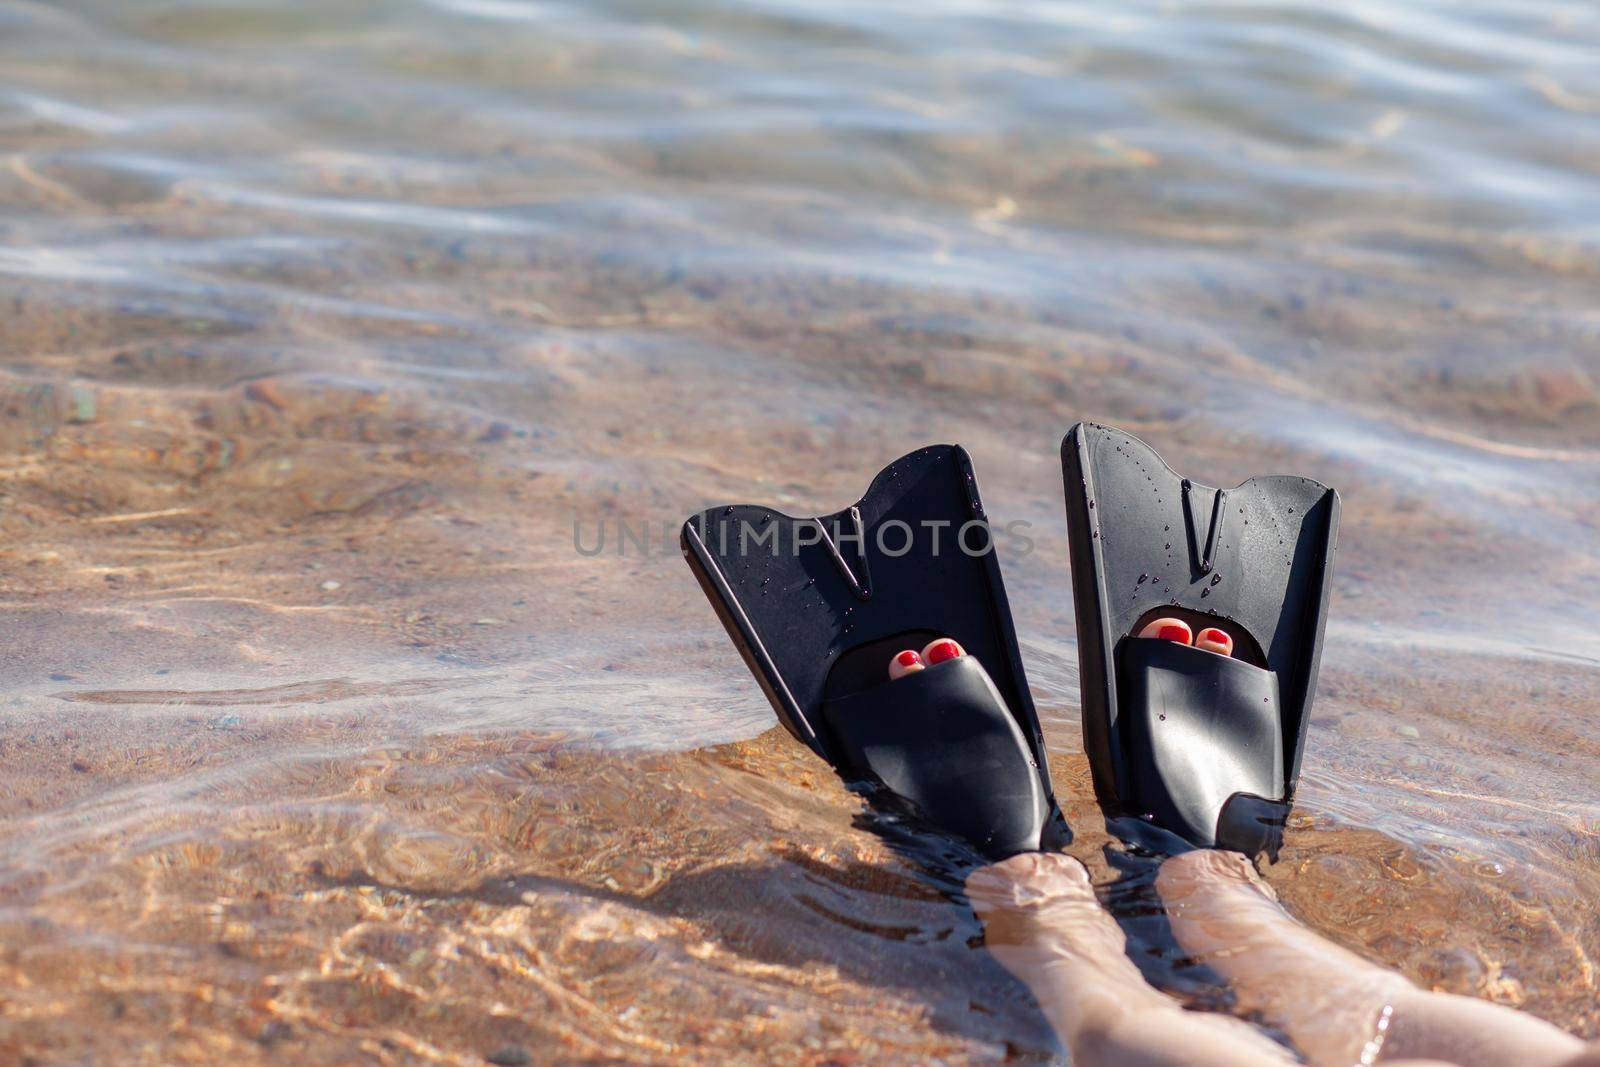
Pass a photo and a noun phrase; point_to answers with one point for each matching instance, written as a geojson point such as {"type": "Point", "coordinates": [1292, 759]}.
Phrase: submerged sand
{"type": "Point", "coordinates": [328, 328]}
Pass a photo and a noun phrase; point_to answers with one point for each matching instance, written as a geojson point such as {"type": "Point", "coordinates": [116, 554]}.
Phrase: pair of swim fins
{"type": "Point", "coordinates": [1203, 746]}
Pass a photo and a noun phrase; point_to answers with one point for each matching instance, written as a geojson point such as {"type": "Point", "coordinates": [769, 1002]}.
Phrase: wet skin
{"type": "Point", "coordinates": [1044, 924]}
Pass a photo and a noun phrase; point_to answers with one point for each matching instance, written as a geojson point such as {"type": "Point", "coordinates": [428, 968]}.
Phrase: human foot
{"type": "Point", "coordinates": [1169, 628]}
{"type": "Point", "coordinates": [937, 651]}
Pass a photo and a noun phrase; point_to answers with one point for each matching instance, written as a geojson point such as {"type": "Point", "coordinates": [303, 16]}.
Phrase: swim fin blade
{"type": "Point", "coordinates": [818, 606]}
{"type": "Point", "coordinates": [1202, 745]}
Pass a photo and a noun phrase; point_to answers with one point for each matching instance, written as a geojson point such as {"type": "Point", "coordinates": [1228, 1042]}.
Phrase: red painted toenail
{"type": "Point", "coordinates": [940, 651]}
{"type": "Point", "coordinates": [1174, 633]}
{"type": "Point", "coordinates": [907, 658]}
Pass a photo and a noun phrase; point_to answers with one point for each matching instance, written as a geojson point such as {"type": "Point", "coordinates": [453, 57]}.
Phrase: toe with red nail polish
{"type": "Point", "coordinates": [1169, 629]}
{"type": "Point", "coordinates": [904, 663]}
{"type": "Point", "coordinates": [942, 649]}
{"type": "Point", "coordinates": [1214, 640]}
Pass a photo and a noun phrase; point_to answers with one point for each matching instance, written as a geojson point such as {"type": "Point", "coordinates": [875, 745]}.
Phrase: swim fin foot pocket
{"type": "Point", "coordinates": [1202, 745]}
{"type": "Point", "coordinates": [818, 606]}
{"type": "Point", "coordinates": [944, 739]}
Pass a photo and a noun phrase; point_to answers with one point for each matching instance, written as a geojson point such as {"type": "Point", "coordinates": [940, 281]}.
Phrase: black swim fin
{"type": "Point", "coordinates": [1203, 745]}
{"type": "Point", "coordinates": [818, 606]}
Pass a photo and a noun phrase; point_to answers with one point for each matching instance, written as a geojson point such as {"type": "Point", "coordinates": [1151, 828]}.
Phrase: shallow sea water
{"type": "Point", "coordinates": [327, 326]}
